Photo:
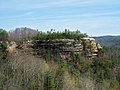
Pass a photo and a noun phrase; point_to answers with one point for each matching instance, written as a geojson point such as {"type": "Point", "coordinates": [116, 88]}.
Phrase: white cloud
{"type": "Point", "coordinates": [29, 16]}
{"type": "Point", "coordinates": [22, 4]}
{"type": "Point", "coordinates": [38, 4]}
{"type": "Point", "coordinates": [16, 16]}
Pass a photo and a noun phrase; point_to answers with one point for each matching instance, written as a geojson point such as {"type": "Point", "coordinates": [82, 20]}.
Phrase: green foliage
{"type": "Point", "coordinates": [75, 72]}
{"type": "Point", "coordinates": [4, 57]}
{"type": "Point", "coordinates": [107, 67]}
{"type": "Point", "coordinates": [75, 58]}
{"type": "Point", "coordinates": [102, 69]}
{"type": "Point", "coordinates": [49, 83]}
{"type": "Point", "coordinates": [18, 42]}
{"type": "Point", "coordinates": [3, 35]}
{"type": "Point", "coordinates": [115, 84]}
{"type": "Point", "coordinates": [63, 65]}
{"type": "Point", "coordinates": [118, 77]}
{"type": "Point", "coordinates": [3, 52]}
{"type": "Point", "coordinates": [59, 35]}
{"type": "Point", "coordinates": [3, 44]}
{"type": "Point", "coordinates": [85, 64]}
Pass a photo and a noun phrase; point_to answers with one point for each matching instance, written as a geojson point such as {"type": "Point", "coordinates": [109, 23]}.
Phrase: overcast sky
{"type": "Point", "coordinates": [94, 17]}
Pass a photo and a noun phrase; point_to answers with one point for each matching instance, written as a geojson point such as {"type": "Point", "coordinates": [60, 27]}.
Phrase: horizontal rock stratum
{"type": "Point", "coordinates": [85, 46]}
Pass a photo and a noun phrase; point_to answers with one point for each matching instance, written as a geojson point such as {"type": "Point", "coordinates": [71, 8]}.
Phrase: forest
{"type": "Point", "coordinates": [48, 71]}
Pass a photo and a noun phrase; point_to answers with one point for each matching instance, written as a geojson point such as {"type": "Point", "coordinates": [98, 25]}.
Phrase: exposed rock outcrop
{"type": "Point", "coordinates": [91, 47]}
{"type": "Point", "coordinates": [86, 46]}
{"type": "Point", "coordinates": [11, 47]}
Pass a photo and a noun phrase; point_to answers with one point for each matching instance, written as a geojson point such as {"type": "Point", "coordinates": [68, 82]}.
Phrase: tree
{"type": "Point", "coordinates": [3, 45]}
{"type": "Point", "coordinates": [3, 35]}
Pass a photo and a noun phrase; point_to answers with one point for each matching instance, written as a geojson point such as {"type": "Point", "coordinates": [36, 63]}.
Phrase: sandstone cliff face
{"type": "Point", "coordinates": [91, 47]}
{"type": "Point", "coordinates": [86, 46]}
{"type": "Point", "coordinates": [11, 47]}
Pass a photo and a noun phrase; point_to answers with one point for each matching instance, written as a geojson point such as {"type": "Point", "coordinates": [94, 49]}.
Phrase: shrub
{"type": "Point", "coordinates": [49, 83]}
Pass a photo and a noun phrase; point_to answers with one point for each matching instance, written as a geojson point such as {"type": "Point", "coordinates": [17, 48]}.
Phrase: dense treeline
{"type": "Point", "coordinates": [104, 70]}
{"type": "Point", "coordinates": [51, 72]}
{"type": "Point", "coordinates": [107, 67]}
{"type": "Point", "coordinates": [27, 33]}
{"type": "Point", "coordinates": [67, 34]}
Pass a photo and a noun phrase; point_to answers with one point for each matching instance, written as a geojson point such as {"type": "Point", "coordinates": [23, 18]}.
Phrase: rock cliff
{"type": "Point", "coordinates": [86, 46]}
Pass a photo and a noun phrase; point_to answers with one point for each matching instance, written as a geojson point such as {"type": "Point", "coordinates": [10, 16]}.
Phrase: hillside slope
{"type": "Point", "coordinates": [109, 40]}
{"type": "Point", "coordinates": [52, 62]}
{"type": "Point", "coordinates": [28, 71]}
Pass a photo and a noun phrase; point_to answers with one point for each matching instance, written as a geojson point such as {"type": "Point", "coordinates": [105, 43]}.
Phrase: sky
{"type": "Point", "coordinates": [94, 17]}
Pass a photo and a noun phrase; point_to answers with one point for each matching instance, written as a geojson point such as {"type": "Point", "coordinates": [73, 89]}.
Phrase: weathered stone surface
{"type": "Point", "coordinates": [91, 46]}
{"type": "Point", "coordinates": [87, 46]}
{"type": "Point", "coordinates": [13, 44]}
